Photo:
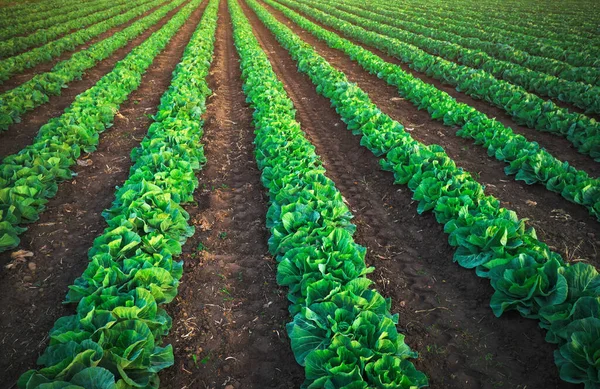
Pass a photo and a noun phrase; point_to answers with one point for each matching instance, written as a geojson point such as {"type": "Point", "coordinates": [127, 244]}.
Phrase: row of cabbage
{"type": "Point", "coordinates": [18, 63]}
{"type": "Point", "coordinates": [342, 331]}
{"type": "Point", "coordinates": [534, 71]}
{"type": "Point", "coordinates": [525, 274]}
{"type": "Point", "coordinates": [540, 23]}
{"type": "Point", "coordinates": [574, 51]}
{"type": "Point", "coordinates": [576, 17]}
{"type": "Point", "coordinates": [59, 17]}
{"type": "Point", "coordinates": [113, 340]}
{"type": "Point", "coordinates": [524, 107]}
{"type": "Point", "coordinates": [37, 90]}
{"type": "Point", "coordinates": [28, 12]}
{"type": "Point", "coordinates": [548, 39]}
{"type": "Point", "coordinates": [89, 15]}
{"type": "Point", "coordinates": [28, 179]}
{"type": "Point", "coordinates": [528, 161]}
{"type": "Point", "coordinates": [551, 10]}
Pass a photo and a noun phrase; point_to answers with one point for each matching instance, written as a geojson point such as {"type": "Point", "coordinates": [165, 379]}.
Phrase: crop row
{"type": "Point", "coordinates": [60, 16]}
{"type": "Point", "coordinates": [37, 91]}
{"type": "Point", "coordinates": [113, 341]}
{"type": "Point", "coordinates": [560, 17]}
{"type": "Point", "coordinates": [528, 161]}
{"type": "Point", "coordinates": [572, 85]}
{"type": "Point", "coordinates": [96, 12]}
{"type": "Point", "coordinates": [456, 48]}
{"type": "Point", "coordinates": [30, 177]}
{"type": "Point", "coordinates": [537, 23]}
{"type": "Point", "coordinates": [31, 58]}
{"type": "Point", "coordinates": [524, 107]}
{"type": "Point", "coordinates": [574, 53]}
{"type": "Point", "coordinates": [16, 32]}
{"type": "Point", "coordinates": [27, 12]}
{"type": "Point", "coordinates": [539, 40]}
{"type": "Point", "coordinates": [525, 274]}
{"type": "Point", "coordinates": [553, 10]}
{"type": "Point", "coordinates": [342, 331]}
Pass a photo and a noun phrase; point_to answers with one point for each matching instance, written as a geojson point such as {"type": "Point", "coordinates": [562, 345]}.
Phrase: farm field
{"type": "Point", "coordinates": [299, 194]}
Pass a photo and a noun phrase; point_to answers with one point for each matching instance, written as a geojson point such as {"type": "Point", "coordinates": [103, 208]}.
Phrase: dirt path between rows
{"type": "Point", "coordinates": [443, 308]}
{"type": "Point", "coordinates": [558, 146]}
{"type": "Point", "coordinates": [229, 315]}
{"type": "Point", "coordinates": [22, 134]}
{"type": "Point", "coordinates": [31, 295]}
{"type": "Point", "coordinates": [566, 226]}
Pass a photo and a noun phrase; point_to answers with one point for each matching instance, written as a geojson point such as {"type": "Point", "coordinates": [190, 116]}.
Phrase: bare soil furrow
{"type": "Point", "coordinates": [229, 315]}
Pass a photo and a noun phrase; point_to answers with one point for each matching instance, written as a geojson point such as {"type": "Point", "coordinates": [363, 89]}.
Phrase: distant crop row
{"type": "Point", "coordinates": [526, 108]}
{"type": "Point", "coordinates": [541, 75]}
{"type": "Point", "coordinates": [13, 65]}
{"type": "Point", "coordinates": [581, 64]}
{"type": "Point", "coordinates": [537, 40]}
{"type": "Point", "coordinates": [30, 13]}
{"type": "Point", "coordinates": [88, 15]}
{"type": "Point", "coordinates": [31, 177]}
{"type": "Point", "coordinates": [37, 90]}
{"type": "Point", "coordinates": [528, 161]}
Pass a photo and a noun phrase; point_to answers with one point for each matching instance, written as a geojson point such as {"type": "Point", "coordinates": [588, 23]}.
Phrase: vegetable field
{"type": "Point", "coordinates": [299, 194]}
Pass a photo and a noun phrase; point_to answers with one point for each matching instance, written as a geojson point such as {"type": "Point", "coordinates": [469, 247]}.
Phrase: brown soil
{"type": "Point", "coordinates": [28, 74]}
{"type": "Point", "coordinates": [443, 308]}
{"type": "Point", "coordinates": [558, 146]}
{"type": "Point", "coordinates": [566, 226]}
{"type": "Point", "coordinates": [22, 134]}
{"type": "Point", "coordinates": [61, 238]}
{"type": "Point", "coordinates": [229, 315]}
